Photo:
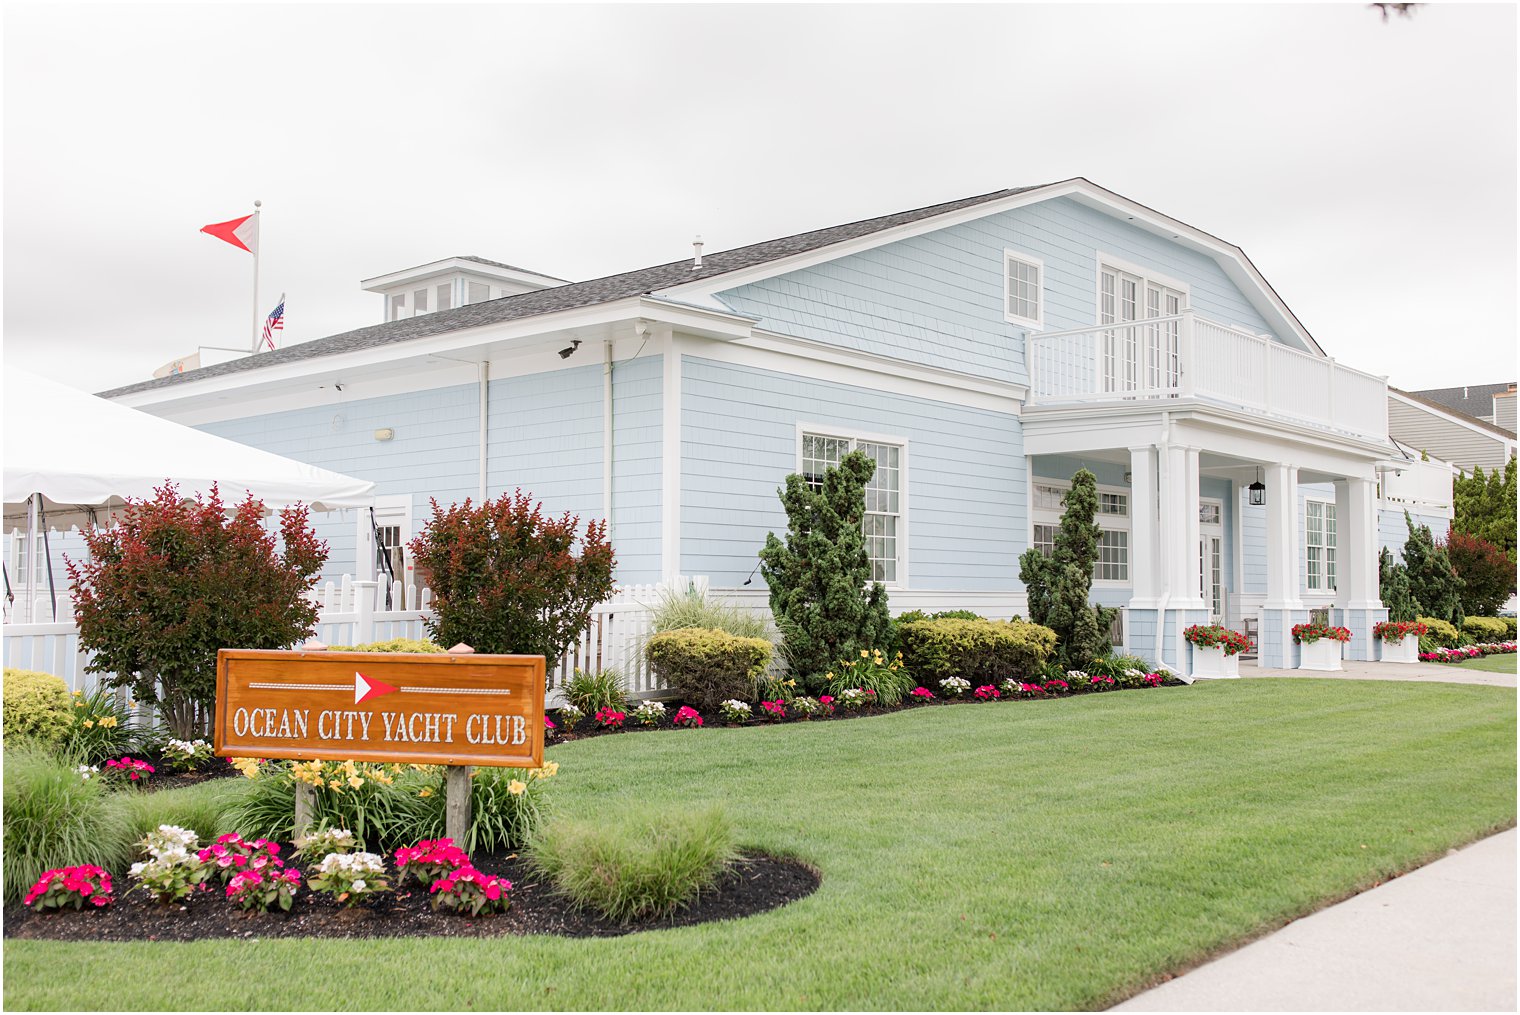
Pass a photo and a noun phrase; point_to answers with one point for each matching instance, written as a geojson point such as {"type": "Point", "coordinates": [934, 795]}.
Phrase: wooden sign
{"type": "Point", "coordinates": [370, 706]}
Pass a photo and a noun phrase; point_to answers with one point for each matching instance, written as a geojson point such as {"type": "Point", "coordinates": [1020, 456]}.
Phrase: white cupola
{"type": "Point", "coordinates": [452, 282]}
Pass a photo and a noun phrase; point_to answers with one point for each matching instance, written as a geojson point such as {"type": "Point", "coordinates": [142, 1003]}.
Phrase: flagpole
{"type": "Point", "coordinates": [257, 246]}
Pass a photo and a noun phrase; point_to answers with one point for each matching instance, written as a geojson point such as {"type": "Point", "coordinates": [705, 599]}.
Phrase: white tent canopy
{"type": "Point", "coordinates": [83, 454]}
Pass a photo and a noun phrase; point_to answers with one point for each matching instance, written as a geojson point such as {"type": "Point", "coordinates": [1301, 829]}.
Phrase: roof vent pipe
{"type": "Point", "coordinates": [696, 258]}
{"type": "Point", "coordinates": [1464, 387]}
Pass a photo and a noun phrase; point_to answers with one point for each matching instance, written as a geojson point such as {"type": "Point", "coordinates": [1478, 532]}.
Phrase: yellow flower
{"type": "Point", "coordinates": [516, 787]}
{"type": "Point", "coordinates": [89, 724]}
{"type": "Point", "coordinates": [355, 781]}
{"type": "Point", "coordinates": [426, 791]}
{"type": "Point", "coordinates": [108, 722]}
{"type": "Point", "coordinates": [335, 784]}
{"type": "Point", "coordinates": [78, 704]}
{"type": "Point", "coordinates": [131, 704]}
{"type": "Point", "coordinates": [864, 654]}
{"type": "Point", "coordinates": [78, 694]}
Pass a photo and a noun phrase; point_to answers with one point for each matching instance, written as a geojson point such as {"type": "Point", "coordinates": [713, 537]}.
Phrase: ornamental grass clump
{"type": "Point", "coordinates": [588, 693]}
{"type": "Point", "coordinates": [639, 867]}
{"type": "Point", "coordinates": [55, 819]}
{"type": "Point", "coordinates": [105, 725]}
{"type": "Point", "coordinates": [506, 807]}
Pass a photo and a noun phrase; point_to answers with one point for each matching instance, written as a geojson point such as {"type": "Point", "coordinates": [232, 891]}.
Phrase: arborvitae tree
{"type": "Point", "coordinates": [1432, 579]}
{"type": "Point", "coordinates": [825, 604]}
{"type": "Point", "coordinates": [1058, 585]}
{"type": "Point", "coordinates": [1485, 506]}
{"type": "Point", "coordinates": [1394, 590]}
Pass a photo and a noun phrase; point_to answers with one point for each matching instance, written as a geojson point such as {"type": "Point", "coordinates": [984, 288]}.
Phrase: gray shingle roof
{"type": "Point", "coordinates": [571, 296]}
{"type": "Point", "coordinates": [509, 267]}
{"type": "Point", "coordinates": [1470, 399]}
{"type": "Point", "coordinates": [1424, 398]}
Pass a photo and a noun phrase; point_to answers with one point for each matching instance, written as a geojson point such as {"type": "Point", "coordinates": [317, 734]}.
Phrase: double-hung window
{"type": "Point", "coordinates": [883, 522]}
{"type": "Point", "coordinates": [1023, 282]}
{"type": "Point", "coordinates": [1319, 545]}
{"type": "Point", "coordinates": [1112, 517]}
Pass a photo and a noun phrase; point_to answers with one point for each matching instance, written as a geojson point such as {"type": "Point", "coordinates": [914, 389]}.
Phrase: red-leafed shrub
{"type": "Point", "coordinates": [508, 578]}
{"type": "Point", "coordinates": [1487, 573]}
{"type": "Point", "coordinates": [175, 579]}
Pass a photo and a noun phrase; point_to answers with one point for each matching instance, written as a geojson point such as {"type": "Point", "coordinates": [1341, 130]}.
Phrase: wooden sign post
{"type": "Point", "coordinates": [456, 709]}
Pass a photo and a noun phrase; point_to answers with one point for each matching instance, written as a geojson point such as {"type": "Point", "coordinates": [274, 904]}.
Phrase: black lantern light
{"type": "Point", "coordinates": [1258, 491]}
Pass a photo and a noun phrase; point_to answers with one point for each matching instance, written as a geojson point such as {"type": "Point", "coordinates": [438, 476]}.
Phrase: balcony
{"type": "Point", "coordinates": [1191, 357]}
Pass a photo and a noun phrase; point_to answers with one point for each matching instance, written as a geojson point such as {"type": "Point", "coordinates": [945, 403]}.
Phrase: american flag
{"type": "Point", "coordinates": [274, 322]}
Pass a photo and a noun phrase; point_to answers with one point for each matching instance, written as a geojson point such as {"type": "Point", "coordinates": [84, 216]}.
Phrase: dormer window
{"type": "Point", "coordinates": [1023, 277]}
{"type": "Point", "coordinates": [452, 282]}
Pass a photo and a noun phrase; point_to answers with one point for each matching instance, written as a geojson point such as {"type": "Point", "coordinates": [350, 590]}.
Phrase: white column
{"type": "Point", "coordinates": [1282, 538]}
{"type": "Point", "coordinates": [1179, 524]}
{"type": "Point", "coordinates": [1143, 576]}
{"type": "Point", "coordinates": [1356, 545]}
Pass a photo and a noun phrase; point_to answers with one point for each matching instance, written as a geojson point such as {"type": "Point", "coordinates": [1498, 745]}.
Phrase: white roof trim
{"type": "Point", "coordinates": [1237, 266]}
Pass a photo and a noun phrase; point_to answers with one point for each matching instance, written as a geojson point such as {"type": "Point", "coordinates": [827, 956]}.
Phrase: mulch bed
{"type": "Point", "coordinates": [755, 884]}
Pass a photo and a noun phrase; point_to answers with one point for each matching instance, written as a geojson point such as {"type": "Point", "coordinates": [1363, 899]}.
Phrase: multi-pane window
{"type": "Point", "coordinates": [1113, 519]}
{"type": "Point", "coordinates": [882, 524]}
{"type": "Point", "coordinates": [1319, 545]}
{"type": "Point", "coordinates": [1209, 514]}
{"type": "Point", "coordinates": [1113, 556]}
{"type": "Point", "coordinates": [1113, 504]}
{"type": "Point", "coordinates": [1022, 287]}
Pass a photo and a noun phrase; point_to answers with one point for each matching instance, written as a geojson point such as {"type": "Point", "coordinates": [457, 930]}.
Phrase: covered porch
{"type": "Point", "coordinates": [1184, 543]}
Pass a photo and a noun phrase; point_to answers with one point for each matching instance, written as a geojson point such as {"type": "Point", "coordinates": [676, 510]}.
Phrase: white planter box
{"type": "Point", "coordinates": [1405, 650]}
{"type": "Point", "coordinates": [1212, 662]}
{"type": "Point", "coordinates": [1324, 654]}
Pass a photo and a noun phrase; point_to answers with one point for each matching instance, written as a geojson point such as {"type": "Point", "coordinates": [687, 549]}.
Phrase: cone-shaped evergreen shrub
{"type": "Point", "coordinates": [1432, 578]}
{"type": "Point", "coordinates": [825, 604]}
{"type": "Point", "coordinates": [1058, 585]}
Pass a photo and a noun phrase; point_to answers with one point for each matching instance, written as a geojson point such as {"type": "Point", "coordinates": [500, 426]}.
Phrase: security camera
{"type": "Point", "coordinates": [574, 345]}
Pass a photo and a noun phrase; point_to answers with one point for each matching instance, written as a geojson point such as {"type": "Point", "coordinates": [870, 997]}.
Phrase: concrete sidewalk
{"type": "Point", "coordinates": [1352, 669]}
{"type": "Point", "coordinates": [1441, 938]}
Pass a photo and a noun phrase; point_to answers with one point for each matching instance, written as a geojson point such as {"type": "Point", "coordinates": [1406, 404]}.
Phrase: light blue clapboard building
{"type": "Point", "coordinates": [980, 351]}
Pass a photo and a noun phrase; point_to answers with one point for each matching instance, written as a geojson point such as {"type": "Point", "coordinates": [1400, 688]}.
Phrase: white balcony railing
{"type": "Point", "coordinates": [1187, 356]}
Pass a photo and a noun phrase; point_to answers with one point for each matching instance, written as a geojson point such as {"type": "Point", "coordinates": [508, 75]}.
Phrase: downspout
{"type": "Point", "coordinates": [485, 409]}
{"type": "Point", "coordinates": [607, 436]}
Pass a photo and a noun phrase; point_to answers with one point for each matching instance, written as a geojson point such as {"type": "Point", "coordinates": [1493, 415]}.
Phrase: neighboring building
{"type": "Point", "coordinates": [1444, 432]}
{"type": "Point", "coordinates": [981, 350]}
{"type": "Point", "coordinates": [1480, 401]}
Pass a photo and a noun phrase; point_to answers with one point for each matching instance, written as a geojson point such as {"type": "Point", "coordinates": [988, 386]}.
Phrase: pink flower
{"type": "Point", "coordinates": [922, 692]}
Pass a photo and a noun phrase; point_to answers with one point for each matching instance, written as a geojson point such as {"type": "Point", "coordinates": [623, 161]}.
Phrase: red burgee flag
{"type": "Point", "coordinates": [242, 233]}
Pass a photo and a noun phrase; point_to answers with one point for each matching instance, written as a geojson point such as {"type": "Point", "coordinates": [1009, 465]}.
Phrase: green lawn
{"type": "Point", "coordinates": [1041, 855]}
{"type": "Point", "coordinates": [1490, 664]}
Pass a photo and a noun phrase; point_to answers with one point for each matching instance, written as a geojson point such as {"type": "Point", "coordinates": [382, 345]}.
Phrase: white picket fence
{"type": "Point", "coordinates": [353, 612]}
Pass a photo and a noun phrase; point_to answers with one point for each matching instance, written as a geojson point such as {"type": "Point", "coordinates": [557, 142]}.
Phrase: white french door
{"type": "Point", "coordinates": [1136, 356]}
{"type": "Point", "coordinates": [1211, 558]}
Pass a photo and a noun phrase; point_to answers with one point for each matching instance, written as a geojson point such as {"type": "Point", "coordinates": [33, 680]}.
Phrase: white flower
{"type": "Point", "coordinates": [138, 868]}
{"type": "Point", "coordinates": [735, 706]}
{"type": "Point", "coordinates": [1075, 674]}
{"type": "Point", "coordinates": [359, 885]}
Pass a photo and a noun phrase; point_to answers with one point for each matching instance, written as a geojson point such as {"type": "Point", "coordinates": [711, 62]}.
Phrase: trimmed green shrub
{"type": "Point", "coordinates": [981, 651]}
{"type": "Point", "coordinates": [1442, 634]}
{"type": "Point", "coordinates": [640, 867]}
{"type": "Point", "coordinates": [37, 707]}
{"type": "Point", "coordinates": [1486, 629]}
{"type": "Point", "coordinates": [55, 818]}
{"type": "Point", "coordinates": [913, 616]}
{"type": "Point", "coordinates": [101, 727]}
{"type": "Point", "coordinates": [592, 692]}
{"type": "Point", "coordinates": [707, 667]}
{"type": "Point", "coordinates": [415, 645]}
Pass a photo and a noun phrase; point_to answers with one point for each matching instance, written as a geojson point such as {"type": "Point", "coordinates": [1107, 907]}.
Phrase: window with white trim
{"type": "Point", "coordinates": [1023, 280]}
{"type": "Point", "coordinates": [882, 524]}
{"type": "Point", "coordinates": [1045, 509]}
{"type": "Point", "coordinates": [1319, 545]}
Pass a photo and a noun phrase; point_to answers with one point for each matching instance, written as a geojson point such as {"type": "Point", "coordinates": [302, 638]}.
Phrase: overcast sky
{"type": "Point", "coordinates": [1367, 168]}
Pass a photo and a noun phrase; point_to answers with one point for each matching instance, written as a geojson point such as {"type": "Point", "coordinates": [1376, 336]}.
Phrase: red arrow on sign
{"type": "Point", "coordinates": [366, 688]}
